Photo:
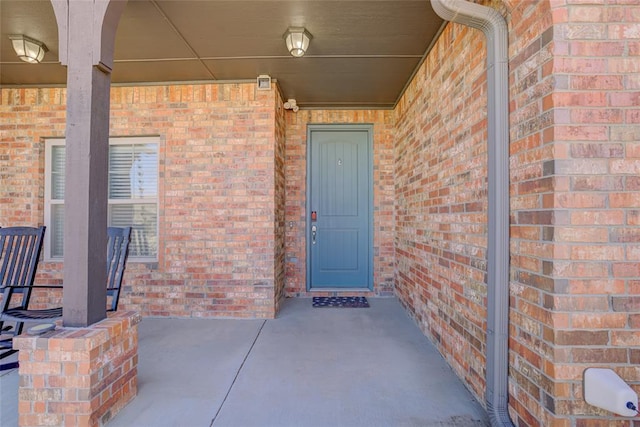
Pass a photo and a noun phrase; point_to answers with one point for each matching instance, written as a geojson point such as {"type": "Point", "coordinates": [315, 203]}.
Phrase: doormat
{"type": "Point", "coordinates": [351, 302]}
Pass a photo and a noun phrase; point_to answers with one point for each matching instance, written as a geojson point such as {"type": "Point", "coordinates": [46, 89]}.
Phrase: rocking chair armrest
{"type": "Point", "coordinates": [33, 286]}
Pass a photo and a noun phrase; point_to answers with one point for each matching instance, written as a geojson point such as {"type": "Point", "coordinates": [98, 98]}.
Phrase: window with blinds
{"type": "Point", "coordinates": [133, 194]}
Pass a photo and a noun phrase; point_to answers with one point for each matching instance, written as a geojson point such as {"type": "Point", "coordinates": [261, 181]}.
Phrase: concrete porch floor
{"type": "Point", "coordinates": [308, 367]}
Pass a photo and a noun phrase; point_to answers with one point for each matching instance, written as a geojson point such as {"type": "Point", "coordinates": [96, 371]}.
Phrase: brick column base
{"type": "Point", "coordinates": [78, 376]}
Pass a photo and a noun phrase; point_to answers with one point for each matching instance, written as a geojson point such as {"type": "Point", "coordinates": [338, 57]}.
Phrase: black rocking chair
{"type": "Point", "coordinates": [20, 249]}
{"type": "Point", "coordinates": [117, 253]}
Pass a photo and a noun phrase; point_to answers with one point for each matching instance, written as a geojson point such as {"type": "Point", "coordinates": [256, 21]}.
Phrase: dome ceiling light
{"type": "Point", "coordinates": [297, 40]}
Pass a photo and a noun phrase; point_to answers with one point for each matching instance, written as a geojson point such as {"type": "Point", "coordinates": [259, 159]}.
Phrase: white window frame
{"type": "Point", "coordinates": [52, 142]}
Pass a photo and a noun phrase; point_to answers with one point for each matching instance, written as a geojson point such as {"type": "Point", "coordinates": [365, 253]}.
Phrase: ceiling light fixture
{"type": "Point", "coordinates": [28, 49]}
{"type": "Point", "coordinates": [297, 39]}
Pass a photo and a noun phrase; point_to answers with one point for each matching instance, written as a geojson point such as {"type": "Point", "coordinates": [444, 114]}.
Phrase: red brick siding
{"type": "Point", "coordinates": [26, 115]}
{"type": "Point", "coordinates": [531, 48]}
{"type": "Point", "coordinates": [78, 376]}
{"type": "Point", "coordinates": [296, 182]}
{"type": "Point", "coordinates": [217, 205]}
{"type": "Point", "coordinates": [591, 237]}
{"type": "Point", "coordinates": [574, 211]}
{"type": "Point", "coordinates": [441, 201]}
{"type": "Point", "coordinates": [280, 201]}
{"type": "Point", "coordinates": [575, 280]}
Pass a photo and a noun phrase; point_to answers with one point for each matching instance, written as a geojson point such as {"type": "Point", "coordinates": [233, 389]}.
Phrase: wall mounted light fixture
{"type": "Point", "coordinates": [28, 49]}
{"type": "Point", "coordinates": [264, 82]}
{"type": "Point", "coordinates": [297, 40]}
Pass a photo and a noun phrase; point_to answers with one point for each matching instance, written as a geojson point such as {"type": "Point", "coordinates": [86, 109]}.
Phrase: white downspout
{"type": "Point", "coordinates": [494, 27]}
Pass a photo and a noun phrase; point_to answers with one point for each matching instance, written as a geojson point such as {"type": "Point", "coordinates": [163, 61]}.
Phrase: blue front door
{"type": "Point", "coordinates": [339, 208]}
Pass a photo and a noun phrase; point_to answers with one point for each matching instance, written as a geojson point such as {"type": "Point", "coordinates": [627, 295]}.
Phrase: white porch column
{"type": "Point", "coordinates": [86, 30]}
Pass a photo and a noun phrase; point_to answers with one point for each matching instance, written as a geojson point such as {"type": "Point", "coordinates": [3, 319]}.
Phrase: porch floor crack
{"type": "Point", "coordinates": [246, 356]}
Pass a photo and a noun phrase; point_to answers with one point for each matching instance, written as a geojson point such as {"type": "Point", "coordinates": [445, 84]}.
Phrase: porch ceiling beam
{"type": "Point", "coordinates": [87, 36]}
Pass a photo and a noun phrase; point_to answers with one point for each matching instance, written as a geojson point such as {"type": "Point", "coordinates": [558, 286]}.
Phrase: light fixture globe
{"type": "Point", "coordinates": [28, 49]}
{"type": "Point", "coordinates": [297, 40]}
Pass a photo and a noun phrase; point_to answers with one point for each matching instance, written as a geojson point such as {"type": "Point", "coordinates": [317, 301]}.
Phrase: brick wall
{"type": "Point", "coordinates": [26, 117]}
{"type": "Point", "coordinates": [575, 156]}
{"type": "Point", "coordinates": [205, 133]}
{"type": "Point", "coordinates": [588, 288]}
{"type": "Point", "coordinates": [217, 191]}
{"type": "Point", "coordinates": [531, 49]}
{"type": "Point", "coordinates": [296, 183]}
{"type": "Point", "coordinates": [280, 201]}
{"type": "Point", "coordinates": [78, 376]}
{"type": "Point", "coordinates": [441, 201]}
{"type": "Point", "coordinates": [574, 205]}
{"type": "Point", "coordinates": [22, 151]}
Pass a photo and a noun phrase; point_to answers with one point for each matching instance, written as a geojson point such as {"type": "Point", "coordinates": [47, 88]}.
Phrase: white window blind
{"type": "Point", "coordinates": [133, 192]}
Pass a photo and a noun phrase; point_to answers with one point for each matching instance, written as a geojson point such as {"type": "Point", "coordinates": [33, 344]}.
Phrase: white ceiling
{"type": "Point", "coordinates": [363, 52]}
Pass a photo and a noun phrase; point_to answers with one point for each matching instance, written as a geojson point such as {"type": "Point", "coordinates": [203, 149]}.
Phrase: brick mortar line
{"type": "Point", "coordinates": [213, 420]}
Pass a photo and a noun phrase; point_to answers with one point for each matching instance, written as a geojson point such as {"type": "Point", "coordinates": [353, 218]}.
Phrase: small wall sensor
{"type": "Point", "coordinates": [264, 82]}
{"type": "Point", "coordinates": [605, 389]}
{"type": "Point", "coordinates": [291, 105]}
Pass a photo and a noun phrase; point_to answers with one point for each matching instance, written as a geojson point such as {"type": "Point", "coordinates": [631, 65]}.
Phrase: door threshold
{"type": "Point", "coordinates": [363, 290]}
